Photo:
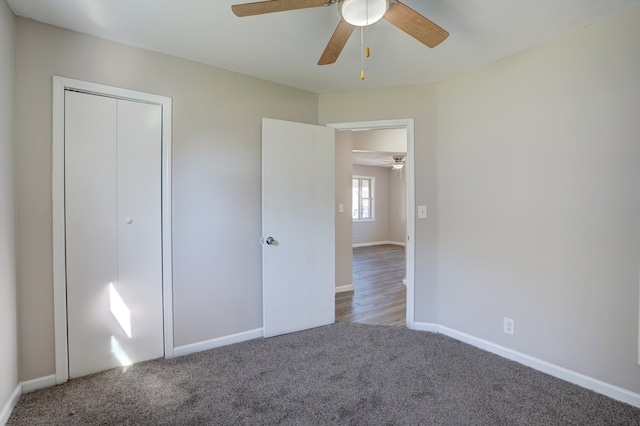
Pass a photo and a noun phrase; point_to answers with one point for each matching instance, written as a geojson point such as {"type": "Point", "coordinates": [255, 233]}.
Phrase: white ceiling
{"type": "Point", "coordinates": [285, 47]}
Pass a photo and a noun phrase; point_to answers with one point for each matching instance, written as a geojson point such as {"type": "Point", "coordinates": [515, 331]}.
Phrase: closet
{"type": "Point", "coordinates": [113, 231]}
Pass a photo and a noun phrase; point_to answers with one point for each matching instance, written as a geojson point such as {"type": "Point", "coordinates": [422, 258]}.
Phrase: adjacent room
{"type": "Point", "coordinates": [376, 289]}
{"type": "Point", "coordinates": [239, 158]}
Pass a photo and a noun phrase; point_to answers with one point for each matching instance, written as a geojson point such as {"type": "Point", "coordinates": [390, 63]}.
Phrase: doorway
{"type": "Point", "coordinates": [132, 104]}
{"type": "Point", "coordinates": [407, 125]}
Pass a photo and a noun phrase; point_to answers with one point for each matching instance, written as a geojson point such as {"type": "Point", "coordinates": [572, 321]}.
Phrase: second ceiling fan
{"type": "Point", "coordinates": [355, 13]}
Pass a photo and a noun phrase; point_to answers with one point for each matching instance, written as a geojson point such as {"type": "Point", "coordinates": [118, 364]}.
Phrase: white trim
{"type": "Point", "coordinates": [60, 84]}
{"type": "Point", "coordinates": [59, 258]}
{"type": "Point", "coordinates": [378, 243]}
{"type": "Point", "coordinates": [10, 404]}
{"type": "Point", "coordinates": [21, 388]}
{"type": "Point", "coordinates": [218, 342]}
{"type": "Point", "coordinates": [167, 227]}
{"type": "Point", "coordinates": [562, 373]}
{"type": "Point", "coordinates": [345, 288]}
{"type": "Point", "coordinates": [39, 383]}
{"type": "Point", "coordinates": [407, 124]}
{"type": "Point", "coordinates": [411, 226]}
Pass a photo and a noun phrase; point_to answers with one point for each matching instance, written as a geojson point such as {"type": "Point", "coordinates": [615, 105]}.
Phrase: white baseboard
{"type": "Point", "coordinates": [378, 243]}
{"type": "Point", "coordinates": [218, 342]}
{"type": "Point", "coordinates": [39, 383]}
{"type": "Point", "coordinates": [579, 379]}
{"type": "Point", "coordinates": [426, 326]}
{"type": "Point", "coordinates": [24, 387]}
{"type": "Point", "coordinates": [7, 408]}
{"type": "Point", "coordinates": [344, 288]}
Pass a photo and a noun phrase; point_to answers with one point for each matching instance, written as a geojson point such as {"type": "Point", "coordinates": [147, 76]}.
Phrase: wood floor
{"type": "Point", "coordinates": [379, 296]}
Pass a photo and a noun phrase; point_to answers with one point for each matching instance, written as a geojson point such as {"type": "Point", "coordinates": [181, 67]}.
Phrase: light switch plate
{"type": "Point", "coordinates": [340, 208]}
{"type": "Point", "coordinates": [422, 212]}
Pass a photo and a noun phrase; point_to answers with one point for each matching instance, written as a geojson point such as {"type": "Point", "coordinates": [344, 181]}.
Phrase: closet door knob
{"type": "Point", "coordinates": [129, 220]}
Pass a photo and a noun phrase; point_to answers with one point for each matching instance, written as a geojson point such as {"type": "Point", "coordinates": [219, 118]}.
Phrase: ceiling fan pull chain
{"type": "Point", "coordinates": [362, 52]}
{"type": "Point", "coordinates": [366, 40]}
{"type": "Point", "coordinates": [367, 11]}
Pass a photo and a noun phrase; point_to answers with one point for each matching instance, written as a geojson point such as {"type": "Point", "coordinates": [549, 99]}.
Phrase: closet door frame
{"type": "Point", "coordinates": [60, 84]}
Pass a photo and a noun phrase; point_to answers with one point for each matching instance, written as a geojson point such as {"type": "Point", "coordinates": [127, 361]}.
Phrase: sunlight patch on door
{"type": "Point", "coordinates": [119, 353]}
{"type": "Point", "coordinates": [120, 310]}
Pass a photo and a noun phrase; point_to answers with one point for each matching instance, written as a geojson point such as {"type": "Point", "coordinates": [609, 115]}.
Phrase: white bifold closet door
{"type": "Point", "coordinates": [113, 232]}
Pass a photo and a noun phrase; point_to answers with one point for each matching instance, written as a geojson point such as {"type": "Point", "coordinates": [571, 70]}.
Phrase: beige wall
{"type": "Point", "coordinates": [531, 181]}
{"type": "Point", "coordinates": [8, 327]}
{"type": "Point", "coordinates": [344, 252]}
{"type": "Point", "coordinates": [398, 205]}
{"type": "Point", "coordinates": [216, 180]}
{"type": "Point", "coordinates": [538, 201]}
{"type": "Point", "coordinates": [419, 103]}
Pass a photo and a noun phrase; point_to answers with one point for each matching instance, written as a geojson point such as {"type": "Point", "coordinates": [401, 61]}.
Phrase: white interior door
{"type": "Point", "coordinates": [113, 232]}
{"type": "Point", "coordinates": [139, 284]}
{"type": "Point", "coordinates": [298, 248]}
{"type": "Point", "coordinates": [90, 210]}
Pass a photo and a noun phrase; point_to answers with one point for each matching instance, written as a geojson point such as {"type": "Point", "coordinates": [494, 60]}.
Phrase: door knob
{"type": "Point", "coordinates": [129, 220]}
{"type": "Point", "coordinates": [270, 241]}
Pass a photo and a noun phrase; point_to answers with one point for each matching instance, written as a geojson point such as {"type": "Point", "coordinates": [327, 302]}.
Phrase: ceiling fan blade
{"type": "Point", "coordinates": [416, 25]}
{"type": "Point", "coordinates": [336, 44]}
{"type": "Point", "coordinates": [270, 6]}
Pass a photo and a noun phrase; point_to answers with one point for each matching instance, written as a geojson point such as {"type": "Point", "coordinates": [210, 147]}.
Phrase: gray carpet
{"type": "Point", "coordinates": [347, 374]}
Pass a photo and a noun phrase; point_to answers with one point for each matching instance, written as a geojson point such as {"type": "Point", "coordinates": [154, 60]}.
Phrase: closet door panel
{"type": "Point", "coordinates": [90, 215]}
{"type": "Point", "coordinates": [139, 161]}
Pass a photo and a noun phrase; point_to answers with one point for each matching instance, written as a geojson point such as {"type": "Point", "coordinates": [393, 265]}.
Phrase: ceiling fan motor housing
{"type": "Point", "coordinates": [363, 12]}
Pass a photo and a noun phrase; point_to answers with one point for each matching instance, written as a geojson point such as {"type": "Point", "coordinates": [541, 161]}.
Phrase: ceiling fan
{"type": "Point", "coordinates": [398, 162]}
{"type": "Point", "coordinates": [355, 13]}
{"type": "Point", "coordinates": [364, 157]}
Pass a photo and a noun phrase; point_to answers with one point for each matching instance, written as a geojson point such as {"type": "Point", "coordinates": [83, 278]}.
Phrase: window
{"type": "Point", "coordinates": [362, 198]}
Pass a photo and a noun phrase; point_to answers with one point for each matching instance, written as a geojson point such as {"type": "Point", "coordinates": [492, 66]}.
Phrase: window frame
{"type": "Point", "coordinates": [371, 198]}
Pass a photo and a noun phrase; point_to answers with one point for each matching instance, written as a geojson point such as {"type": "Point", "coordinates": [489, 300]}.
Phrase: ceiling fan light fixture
{"type": "Point", "coordinates": [363, 12]}
{"type": "Point", "coordinates": [398, 162]}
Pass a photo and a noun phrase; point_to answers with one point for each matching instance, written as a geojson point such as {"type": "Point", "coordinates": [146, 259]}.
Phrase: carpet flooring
{"type": "Point", "coordinates": [342, 374]}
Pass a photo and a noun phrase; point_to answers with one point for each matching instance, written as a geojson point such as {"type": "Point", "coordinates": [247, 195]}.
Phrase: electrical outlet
{"type": "Point", "coordinates": [509, 326]}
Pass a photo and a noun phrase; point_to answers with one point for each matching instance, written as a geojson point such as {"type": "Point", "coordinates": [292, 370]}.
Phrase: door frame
{"type": "Point", "coordinates": [60, 84]}
{"type": "Point", "coordinates": [407, 124]}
